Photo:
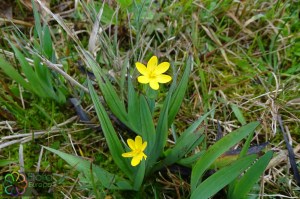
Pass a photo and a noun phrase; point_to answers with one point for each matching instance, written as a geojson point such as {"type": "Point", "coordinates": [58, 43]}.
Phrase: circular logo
{"type": "Point", "coordinates": [15, 184]}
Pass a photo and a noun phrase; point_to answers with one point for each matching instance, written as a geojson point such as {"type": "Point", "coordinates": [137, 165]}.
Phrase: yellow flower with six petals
{"type": "Point", "coordinates": [153, 73]}
{"type": "Point", "coordinates": [137, 154]}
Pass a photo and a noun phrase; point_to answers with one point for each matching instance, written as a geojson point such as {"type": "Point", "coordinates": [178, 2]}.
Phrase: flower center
{"type": "Point", "coordinates": [137, 151]}
{"type": "Point", "coordinates": [152, 76]}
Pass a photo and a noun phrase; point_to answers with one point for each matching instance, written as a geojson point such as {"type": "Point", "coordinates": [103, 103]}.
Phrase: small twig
{"type": "Point", "coordinates": [29, 134]}
{"type": "Point", "coordinates": [72, 144]}
{"type": "Point", "coordinates": [15, 21]}
{"type": "Point", "coordinates": [21, 158]}
{"type": "Point", "coordinates": [73, 186]}
{"type": "Point", "coordinates": [9, 143]}
{"type": "Point", "coordinates": [40, 160]}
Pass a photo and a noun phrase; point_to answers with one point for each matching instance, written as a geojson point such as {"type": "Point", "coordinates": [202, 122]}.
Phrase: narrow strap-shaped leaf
{"type": "Point", "coordinates": [110, 95]}
{"type": "Point", "coordinates": [6, 162]}
{"type": "Point", "coordinates": [192, 128]}
{"type": "Point", "coordinates": [221, 178]}
{"type": "Point", "coordinates": [188, 140]}
{"type": "Point", "coordinates": [189, 161]}
{"type": "Point", "coordinates": [238, 113]}
{"type": "Point", "coordinates": [134, 118]}
{"type": "Point", "coordinates": [112, 139]}
{"type": "Point", "coordinates": [246, 145]}
{"type": "Point", "coordinates": [181, 148]}
{"type": "Point", "coordinates": [108, 180]}
{"type": "Point", "coordinates": [41, 71]}
{"type": "Point", "coordinates": [179, 92]}
{"type": "Point", "coordinates": [37, 21]}
{"type": "Point", "coordinates": [242, 154]}
{"type": "Point", "coordinates": [161, 135]}
{"type": "Point", "coordinates": [147, 126]}
{"type": "Point", "coordinates": [161, 130]}
{"type": "Point", "coordinates": [247, 181]}
{"type": "Point", "coordinates": [10, 71]}
{"type": "Point", "coordinates": [123, 77]}
{"type": "Point", "coordinates": [139, 176]}
{"type": "Point", "coordinates": [218, 149]}
{"type": "Point", "coordinates": [151, 98]}
{"type": "Point", "coordinates": [41, 83]}
{"type": "Point", "coordinates": [37, 84]}
{"type": "Point", "coordinates": [47, 43]}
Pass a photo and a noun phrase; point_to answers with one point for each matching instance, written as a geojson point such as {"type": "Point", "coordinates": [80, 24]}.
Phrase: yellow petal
{"type": "Point", "coordinates": [161, 68]}
{"type": "Point", "coordinates": [141, 155]}
{"type": "Point", "coordinates": [135, 161]}
{"type": "Point", "coordinates": [144, 156]}
{"type": "Point", "coordinates": [128, 155]}
{"type": "Point", "coordinates": [141, 68]}
{"type": "Point", "coordinates": [163, 78]}
{"type": "Point", "coordinates": [144, 146]}
{"type": "Point", "coordinates": [143, 79]}
{"type": "Point", "coordinates": [131, 144]}
{"type": "Point", "coordinates": [154, 85]}
{"type": "Point", "coordinates": [152, 63]}
{"type": "Point", "coordinates": [138, 142]}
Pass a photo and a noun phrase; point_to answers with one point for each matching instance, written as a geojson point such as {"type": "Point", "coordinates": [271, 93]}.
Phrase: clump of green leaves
{"type": "Point", "coordinates": [139, 118]}
{"type": "Point", "coordinates": [38, 77]}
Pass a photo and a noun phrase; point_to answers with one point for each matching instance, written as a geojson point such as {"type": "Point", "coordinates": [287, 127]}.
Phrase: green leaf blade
{"type": "Point", "coordinates": [247, 181]}
{"type": "Point", "coordinates": [178, 94]}
{"type": "Point", "coordinates": [238, 113]}
{"type": "Point", "coordinates": [133, 107]}
{"type": "Point", "coordinates": [110, 95]}
{"type": "Point", "coordinates": [221, 178]}
{"type": "Point", "coordinates": [112, 139]}
{"type": "Point", "coordinates": [108, 180]}
{"type": "Point", "coordinates": [10, 71]}
{"type": "Point", "coordinates": [147, 125]}
{"type": "Point", "coordinates": [218, 149]}
{"type": "Point", "coordinates": [181, 148]}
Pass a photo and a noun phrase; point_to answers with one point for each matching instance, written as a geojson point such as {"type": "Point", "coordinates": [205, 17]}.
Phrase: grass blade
{"type": "Point", "coordinates": [238, 113]}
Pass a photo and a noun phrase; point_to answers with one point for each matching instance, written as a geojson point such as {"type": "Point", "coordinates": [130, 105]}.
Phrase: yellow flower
{"type": "Point", "coordinates": [137, 153]}
{"type": "Point", "coordinates": [153, 73]}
